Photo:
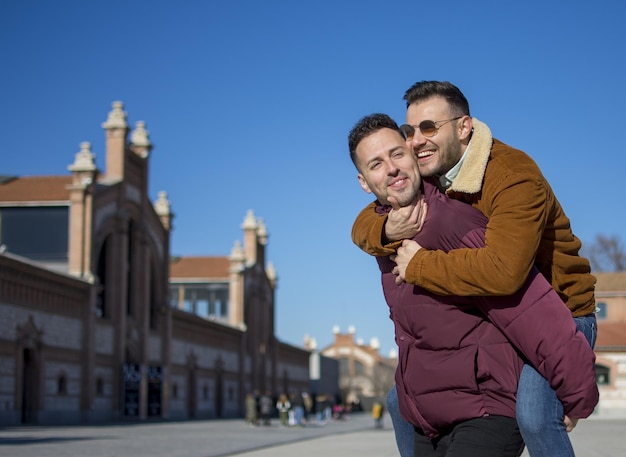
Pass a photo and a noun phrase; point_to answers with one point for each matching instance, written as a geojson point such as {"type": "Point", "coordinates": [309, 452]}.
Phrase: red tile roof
{"type": "Point", "coordinates": [200, 267]}
{"type": "Point", "coordinates": [35, 189]}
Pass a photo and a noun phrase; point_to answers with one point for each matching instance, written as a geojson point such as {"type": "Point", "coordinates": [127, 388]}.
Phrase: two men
{"type": "Point", "coordinates": [527, 227]}
{"type": "Point", "coordinates": [457, 373]}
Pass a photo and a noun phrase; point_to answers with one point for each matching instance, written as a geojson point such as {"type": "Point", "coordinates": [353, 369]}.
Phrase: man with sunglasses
{"type": "Point", "coordinates": [527, 227]}
{"type": "Point", "coordinates": [457, 372]}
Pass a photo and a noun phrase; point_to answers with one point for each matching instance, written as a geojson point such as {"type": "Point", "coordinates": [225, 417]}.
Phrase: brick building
{"type": "Point", "coordinates": [364, 374]}
{"type": "Point", "coordinates": [611, 343]}
{"type": "Point", "coordinates": [87, 328]}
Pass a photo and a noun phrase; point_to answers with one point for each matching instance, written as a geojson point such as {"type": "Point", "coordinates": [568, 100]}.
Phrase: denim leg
{"type": "Point", "coordinates": [540, 417]}
{"type": "Point", "coordinates": [540, 412]}
{"type": "Point", "coordinates": [589, 327]}
{"type": "Point", "coordinates": [299, 414]}
{"type": "Point", "coordinates": [403, 430]}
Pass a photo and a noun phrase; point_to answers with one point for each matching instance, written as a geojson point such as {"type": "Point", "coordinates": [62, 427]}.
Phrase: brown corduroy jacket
{"type": "Point", "coordinates": [527, 226]}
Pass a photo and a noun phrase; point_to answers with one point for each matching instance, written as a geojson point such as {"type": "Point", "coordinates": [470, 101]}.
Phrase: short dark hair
{"type": "Point", "coordinates": [365, 127]}
{"type": "Point", "coordinates": [424, 90]}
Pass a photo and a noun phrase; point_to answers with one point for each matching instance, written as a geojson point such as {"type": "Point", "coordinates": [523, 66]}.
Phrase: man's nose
{"type": "Point", "coordinates": [417, 140]}
{"type": "Point", "coordinates": [392, 168]}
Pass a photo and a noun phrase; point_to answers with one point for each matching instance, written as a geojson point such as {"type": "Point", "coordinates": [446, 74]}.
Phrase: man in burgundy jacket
{"type": "Point", "coordinates": [458, 363]}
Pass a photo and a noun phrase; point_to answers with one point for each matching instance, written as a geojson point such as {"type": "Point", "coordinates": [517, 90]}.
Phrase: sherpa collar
{"type": "Point", "coordinates": [470, 177]}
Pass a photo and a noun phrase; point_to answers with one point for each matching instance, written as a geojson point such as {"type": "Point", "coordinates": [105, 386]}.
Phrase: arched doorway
{"type": "Point", "coordinates": [192, 397]}
{"type": "Point", "coordinates": [30, 386]}
{"type": "Point", "coordinates": [192, 385]}
{"type": "Point", "coordinates": [219, 388]}
{"type": "Point", "coordinates": [28, 357]}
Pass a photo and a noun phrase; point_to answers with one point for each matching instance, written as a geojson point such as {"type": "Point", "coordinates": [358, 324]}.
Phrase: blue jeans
{"type": "Point", "coordinates": [539, 411]}
{"type": "Point", "coordinates": [298, 414]}
{"type": "Point", "coordinates": [403, 430]}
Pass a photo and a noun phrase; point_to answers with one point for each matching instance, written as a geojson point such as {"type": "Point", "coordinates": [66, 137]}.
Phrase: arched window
{"type": "Point", "coordinates": [153, 296]}
{"type": "Point", "coordinates": [344, 366]}
{"type": "Point", "coordinates": [101, 273]}
{"type": "Point", "coordinates": [130, 273]}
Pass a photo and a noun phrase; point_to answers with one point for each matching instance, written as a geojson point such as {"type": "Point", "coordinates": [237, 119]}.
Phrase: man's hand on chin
{"type": "Point", "coordinates": [405, 221]}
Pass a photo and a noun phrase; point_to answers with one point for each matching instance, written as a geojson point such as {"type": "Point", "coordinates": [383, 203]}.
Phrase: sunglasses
{"type": "Point", "coordinates": [426, 128]}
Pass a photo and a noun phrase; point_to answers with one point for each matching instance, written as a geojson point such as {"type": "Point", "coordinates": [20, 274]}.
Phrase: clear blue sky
{"type": "Point", "coordinates": [249, 103]}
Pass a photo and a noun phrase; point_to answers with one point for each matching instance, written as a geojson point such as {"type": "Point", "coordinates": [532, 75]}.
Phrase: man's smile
{"type": "Point", "coordinates": [398, 182]}
{"type": "Point", "coordinates": [425, 153]}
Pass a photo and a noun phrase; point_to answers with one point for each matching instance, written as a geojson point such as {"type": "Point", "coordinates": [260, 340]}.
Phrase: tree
{"type": "Point", "coordinates": [607, 253]}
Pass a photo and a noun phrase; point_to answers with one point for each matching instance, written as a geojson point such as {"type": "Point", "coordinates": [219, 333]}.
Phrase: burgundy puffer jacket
{"type": "Point", "coordinates": [455, 364]}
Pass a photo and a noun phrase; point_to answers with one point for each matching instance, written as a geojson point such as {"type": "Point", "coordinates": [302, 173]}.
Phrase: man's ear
{"type": "Point", "coordinates": [465, 130]}
{"type": "Point", "coordinates": [363, 184]}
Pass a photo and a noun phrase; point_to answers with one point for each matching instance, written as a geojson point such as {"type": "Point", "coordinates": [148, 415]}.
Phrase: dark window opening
{"type": "Point", "coordinates": [603, 375]}
{"type": "Point", "coordinates": [62, 385]}
{"type": "Point", "coordinates": [99, 386]}
{"type": "Point", "coordinates": [39, 233]}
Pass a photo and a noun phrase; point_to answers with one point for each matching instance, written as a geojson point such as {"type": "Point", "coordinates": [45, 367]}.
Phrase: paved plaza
{"type": "Point", "coordinates": [354, 437]}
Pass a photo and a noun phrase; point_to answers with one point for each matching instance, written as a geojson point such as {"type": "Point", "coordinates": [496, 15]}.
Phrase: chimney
{"type": "Point", "coordinates": [140, 141]}
{"type": "Point", "coordinates": [249, 227]}
{"type": "Point", "coordinates": [84, 174]}
{"type": "Point", "coordinates": [163, 210]}
{"type": "Point", "coordinates": [235, 290]}
{"type": "Point", "coordinates": [116, 131]}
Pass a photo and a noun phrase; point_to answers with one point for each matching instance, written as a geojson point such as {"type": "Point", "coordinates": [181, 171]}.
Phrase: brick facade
{"type": "Point", "coordinates": [92, 335]}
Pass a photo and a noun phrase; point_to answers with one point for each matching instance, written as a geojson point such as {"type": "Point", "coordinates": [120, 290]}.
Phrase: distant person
{"type": "Point", "coordinates": [251, 410]}
{"type": "Point", "coordinates": [308, 406]}
{"type": "Point", "coordinates": [527, 227]}
{"type": "Point", "coordinates": [297, 405]}
{"type": "Point", "coordinates": [323, 410]}
{"type": "Point", "coordinates": [377, 414]}
{"type": "Point", "coordinates": [265, 407]}
{"type": "Point", "coordinates": [283, 405]}
{"type": "Point", "coordinates": [457, 372]}
{"type": "Point", "coordinates": [339, 411]}
{"type": "Point", "coordinates": [318, 406]}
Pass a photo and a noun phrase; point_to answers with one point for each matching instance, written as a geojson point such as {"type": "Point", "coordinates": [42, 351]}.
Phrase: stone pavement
{"type": "Point", "coordinates": [353, 437]}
